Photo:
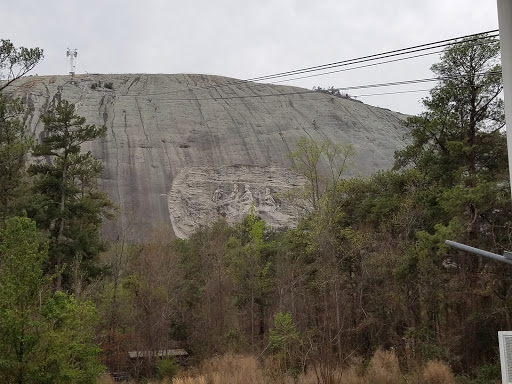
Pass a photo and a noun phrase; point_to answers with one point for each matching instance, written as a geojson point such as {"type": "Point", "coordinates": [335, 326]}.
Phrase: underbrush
{"type": "Point", "coordinates": [383, 368]}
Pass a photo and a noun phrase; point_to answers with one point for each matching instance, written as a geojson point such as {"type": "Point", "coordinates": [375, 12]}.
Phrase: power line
{"type": "Point", "coordinates": [379, 56]}
{"type": "Point", "coordinates": [373, 57]}
{"type": "Point", "coordinates": [358, 67]}
{"type": "Point", "coordinates": [392, 93]}
{"type": "Point", "coordinates": [426, 46]}
{"type": "Point", "coordinates": [367, 65]}
{"type": "Point", "coordinates": [350, 88]}
{"type": "Point", "coordinates": [403, 51]}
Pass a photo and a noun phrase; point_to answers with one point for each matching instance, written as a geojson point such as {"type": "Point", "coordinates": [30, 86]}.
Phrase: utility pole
{"type": "Point", "coordinates": [505, 25]}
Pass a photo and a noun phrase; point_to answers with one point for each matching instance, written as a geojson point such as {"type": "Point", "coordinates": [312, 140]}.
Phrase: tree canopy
{"type": "Point", "coordinates": [44, 337]}
{"type": "Point", "coordinates": [16, 62]}
{"type": "Point", "coordinates": [70, 206]}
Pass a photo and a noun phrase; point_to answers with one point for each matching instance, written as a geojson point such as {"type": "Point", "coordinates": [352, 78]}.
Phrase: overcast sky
{"type": "Point", "coordinates": [245, 38]}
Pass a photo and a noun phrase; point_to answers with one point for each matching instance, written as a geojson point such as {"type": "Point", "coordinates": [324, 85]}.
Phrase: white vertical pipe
{"type": "Point", "coordinates": [505, 23]}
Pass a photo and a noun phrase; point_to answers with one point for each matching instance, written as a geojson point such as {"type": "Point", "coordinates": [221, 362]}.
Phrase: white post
{"type": "Point", "coordinates": [505, 23]}
{"type": "Point", "coordinates": [71, 65]}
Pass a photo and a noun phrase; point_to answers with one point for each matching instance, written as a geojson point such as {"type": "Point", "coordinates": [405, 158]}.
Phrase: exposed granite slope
{"type": "Point", "coordinates": [161, 125]}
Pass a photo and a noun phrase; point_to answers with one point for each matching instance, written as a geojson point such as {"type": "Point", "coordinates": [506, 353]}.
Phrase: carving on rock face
{"type": "Point", "coordinates": [218, 195]}
{"type": "Point", "coordinates": [246, 201]}
{"type": "Point", "coordinates": [234, 194]}
{"type": "Point", "coordinates": [247, 196]}
{"type": "Point", "coordinates": [268, 201]}
{"type": "Point", "coordinates": [202, 195]}
{"type": "Point", "coordinates": [236, 206]}
{"type": "Point", "coordinates": [231, 206]}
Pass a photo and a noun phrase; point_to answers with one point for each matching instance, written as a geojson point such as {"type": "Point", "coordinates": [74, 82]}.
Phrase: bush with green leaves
{"type": "Point", "coordinates": [167, 368]}
{"type": "Point", "coordinates": [285, 343]}
{"type": "Point", "coordinates": [45, 337]}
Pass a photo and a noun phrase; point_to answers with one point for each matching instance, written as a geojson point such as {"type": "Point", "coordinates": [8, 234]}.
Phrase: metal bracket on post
{"type": "Point", "coordinates": [507, 258]}
{"type": "Point", "coordinates": [506, 363]}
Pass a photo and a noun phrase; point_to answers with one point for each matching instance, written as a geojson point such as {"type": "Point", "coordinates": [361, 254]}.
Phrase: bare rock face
{"type": "Point", "coordinates": [174, 140]}
{"type": "Point", "coordinates": [201, 195]}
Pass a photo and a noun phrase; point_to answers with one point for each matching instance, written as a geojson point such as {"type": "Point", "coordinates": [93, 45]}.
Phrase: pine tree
{"type": "Point", "coordinates": [14, 147]}
{"type": "Point", "coordinates": [14, 142]}
{"type": "Point", "coordinates": [16, 62]}
{"type": "Point", "coordinates": [71, 208]}
{"type": "Point", "coordinates": [459, 148]}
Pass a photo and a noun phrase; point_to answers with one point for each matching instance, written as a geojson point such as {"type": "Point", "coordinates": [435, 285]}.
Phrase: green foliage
{"type": "Point", "coordinates": [14, 147]}
{"type": "Point", "coordinates": [249, 263]}
{"type": "Point", "coordinates": [459, 136]}
{"type": "Point", "coordinates": [167, 369]}
{"type": "Point", "coordinates": [235, 341]}
{"type": "Point", "coordinates": [284, 333]}
{"type": "Point", "coordinates": [459, 149]}
{"type": "Point", "coordinates": [69, 205]}
{"type": "Point", "coordinates": [16, 62]}
{"type": "Point", "coordinates": [485, 374]}
{"type": "Point", "coordinates": [366, 269]}
{"type": "Point", "coordinates": [306, 160]}
{"type": "Point", "coordinates": [15, 144]}
{"type": "Point", "coordinates": [99, 84]}
{"type": "Point", "coordinates": [334, 92]}
{"type": "Point", "coordinates": [488, 373]}
{"type": "Point", "coordinates": [71, 356]}
{"type": "Point", "coordinates": [21, 286]}
{"type": "Point", "coordinates": [66, 132]}
{"type": "Point", "coordinates": [285, 342]}
{"type": "Point", "coordinates": [44, 338]}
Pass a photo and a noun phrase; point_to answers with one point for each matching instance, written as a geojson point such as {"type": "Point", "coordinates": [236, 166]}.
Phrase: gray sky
{"type": "Point", "coordinates": [244, 39]}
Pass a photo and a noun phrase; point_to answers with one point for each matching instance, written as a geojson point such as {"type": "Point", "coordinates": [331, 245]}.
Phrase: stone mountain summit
{"type": "Point", "coordinates": [183, 150]}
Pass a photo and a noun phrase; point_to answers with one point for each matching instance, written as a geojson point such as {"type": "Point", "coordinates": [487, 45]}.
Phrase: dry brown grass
{"type": "Point", "coordinates": [230, 369]}
{"type": "Point", "coordinates": [236, 369]}
{"type": "Point", "coordinates": [437, 372]}
{"type": "Point", "coordinates": [383, 369]}
{"type": "Point", "coordinates": [105, 378]}
{"type": "Point", "coordinates": [351, 376]}
{"type": "Point", "coordinates": [189, 380]}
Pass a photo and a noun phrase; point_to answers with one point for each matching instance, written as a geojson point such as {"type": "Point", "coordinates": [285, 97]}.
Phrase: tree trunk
{"type": "Point", "coordinates": [61, 227]}
{"type": "Point", "coordinates": [338, 319]}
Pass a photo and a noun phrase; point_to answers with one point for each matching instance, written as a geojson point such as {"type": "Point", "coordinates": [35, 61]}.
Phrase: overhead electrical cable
{"type": "Point", "coordinates": [369, 58]}
{"type": "Point", "coordinates": [402, 51]}
{"type": "Point", "coordinates": [392, 93]}
{"type": "Point", "coordinates": [344, 63]}
{"type": "Point", "coordinates": [358, 67]}
{"type": "Point", "coordinates": [362, 66]}
{"type": "Point", "coordinates": [280, 94]}
{"type": "Point", "coordinates": [379, 56]}
{"type": "Point", "coordinates": [349, 88]}
{"type": "Point", "coordinates": [477, 37]}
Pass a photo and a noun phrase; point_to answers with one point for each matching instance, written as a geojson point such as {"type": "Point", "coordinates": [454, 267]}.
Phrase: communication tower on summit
{"type": "Point", "coordinates": [71, 54]}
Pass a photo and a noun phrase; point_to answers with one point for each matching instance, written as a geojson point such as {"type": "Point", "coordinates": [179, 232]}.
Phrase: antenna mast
{"type": "Point", "coordinates": [72, 54]}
